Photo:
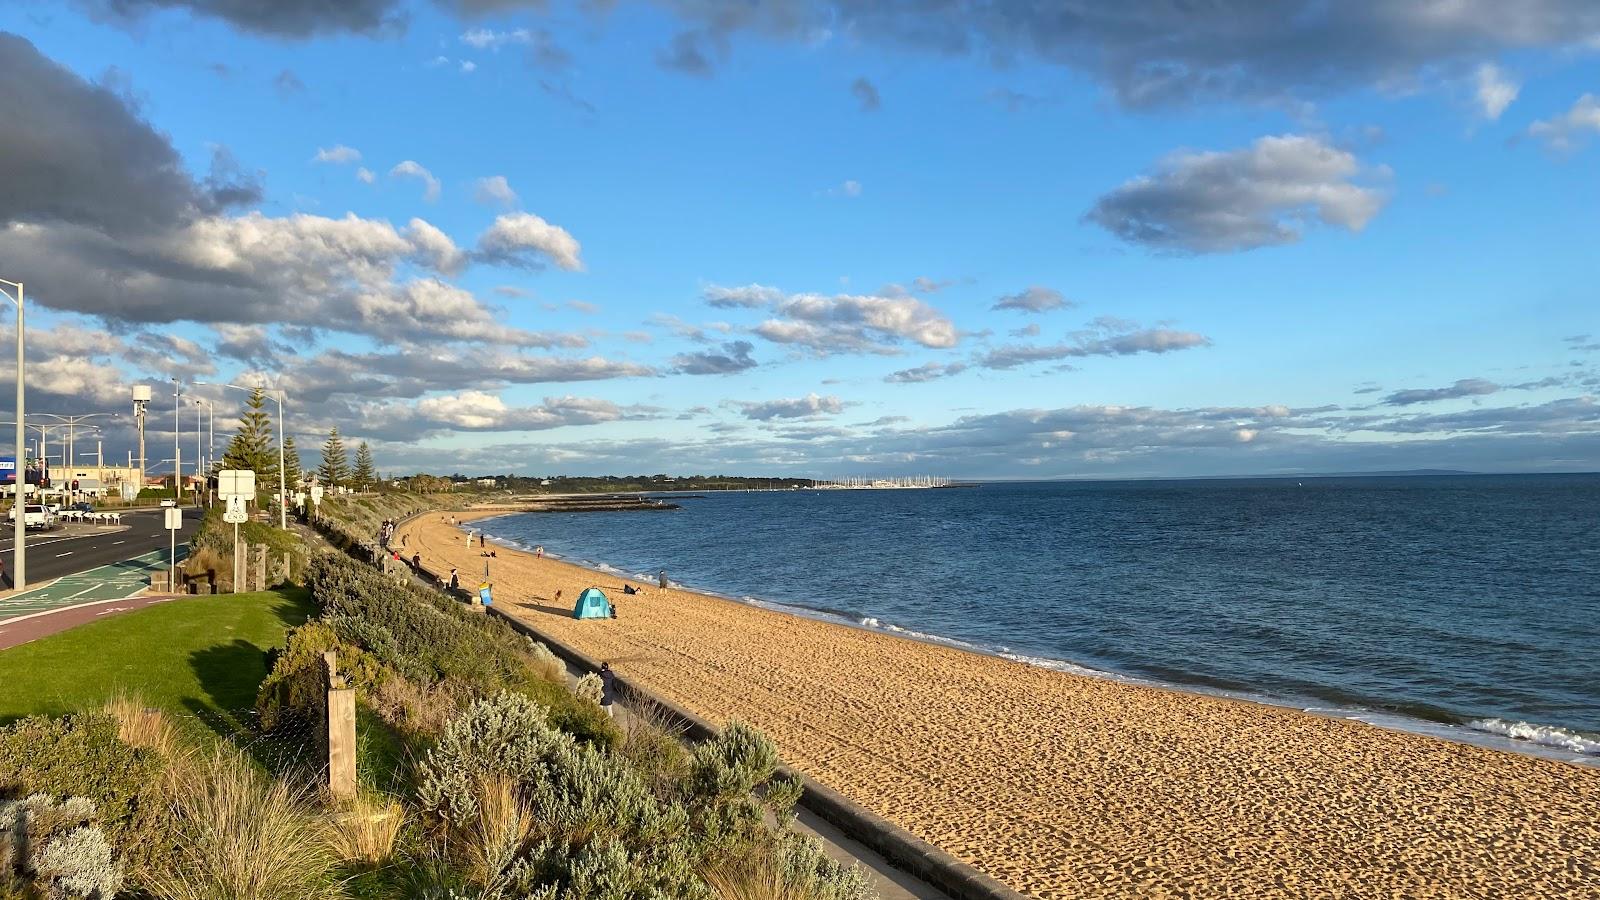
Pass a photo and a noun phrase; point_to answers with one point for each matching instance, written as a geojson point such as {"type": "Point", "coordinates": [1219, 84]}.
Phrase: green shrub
{"type": "Point", "coordinates": [507, 735]}
{"type": "Point", "coordinates": [297, 680]}
{"type": "Point", "coordinates": [80, 756]}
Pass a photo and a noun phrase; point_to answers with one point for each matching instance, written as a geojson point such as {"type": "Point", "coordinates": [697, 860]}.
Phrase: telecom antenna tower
{"type": "Point", "coordinates": [141, 399]}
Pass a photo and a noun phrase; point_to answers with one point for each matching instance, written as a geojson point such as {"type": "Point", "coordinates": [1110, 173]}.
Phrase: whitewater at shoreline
{"type": "Point", "coordinates": [1063, 783]}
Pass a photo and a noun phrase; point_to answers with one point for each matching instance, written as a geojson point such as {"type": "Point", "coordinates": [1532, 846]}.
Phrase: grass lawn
{"type": "Point", "coordinates": [199, 657]}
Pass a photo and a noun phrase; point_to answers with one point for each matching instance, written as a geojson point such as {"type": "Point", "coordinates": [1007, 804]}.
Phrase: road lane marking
{"type": "Point", "coordinates": [114, 543]}
{"type": "Point", "coordinates": [59, 555]}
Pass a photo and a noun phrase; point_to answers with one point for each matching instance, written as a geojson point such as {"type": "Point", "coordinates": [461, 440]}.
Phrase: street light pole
{"type": "Point", "coordinates": [19, 508]}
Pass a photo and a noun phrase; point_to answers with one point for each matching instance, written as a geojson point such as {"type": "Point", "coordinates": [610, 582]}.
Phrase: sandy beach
{"type": "Point", "coordinates": [1070, 786]}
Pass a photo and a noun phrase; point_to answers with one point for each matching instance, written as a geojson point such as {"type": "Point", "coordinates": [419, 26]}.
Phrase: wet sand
{"type": "Point", "coordinates": [1069, 786]}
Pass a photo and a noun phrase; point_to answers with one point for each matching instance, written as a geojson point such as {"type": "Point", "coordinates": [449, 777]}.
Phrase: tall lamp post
{"type": "Point", "coordinates": [283, 488]}
{"type": "Point", "coordinates": [19, 567]}
{"type": "Point", "coordinates": [210, 458]}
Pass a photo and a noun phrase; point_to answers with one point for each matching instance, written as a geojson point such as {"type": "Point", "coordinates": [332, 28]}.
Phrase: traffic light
{"type": "Point", "coordinates": [74, 484]}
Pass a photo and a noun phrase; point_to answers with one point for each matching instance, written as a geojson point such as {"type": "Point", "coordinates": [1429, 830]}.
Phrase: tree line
{"type": "Point", "coordinates": [254, 447]}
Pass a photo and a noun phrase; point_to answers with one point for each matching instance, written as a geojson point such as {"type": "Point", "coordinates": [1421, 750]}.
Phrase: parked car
{"type": "Point", "coordinates": [168, 501]}
{"type": "Point", "coordinates": [82, 507]}
{"type": "Point", "coordinates": [36, 516]}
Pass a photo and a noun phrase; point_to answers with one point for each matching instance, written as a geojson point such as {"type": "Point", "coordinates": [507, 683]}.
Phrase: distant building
{"type": "Point", "coordinates": [488, 482]}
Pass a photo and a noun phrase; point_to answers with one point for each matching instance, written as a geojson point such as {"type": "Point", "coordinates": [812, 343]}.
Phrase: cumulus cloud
{"type": "Point", "coordinates": [925, 372]}
{"type": "Point", "coordinates": [484, 411]}
{"type": "Point", "coordinates": [366, 175]}
{"type": "Point", "coordinates": [494, 191]}
{"type": "Point", "coordinates": [866, 93]}
{"type": "Point", "coordinates": [735, 357]}
{"type": "Point", "coordinates": [410, 168]}
{"type": "Point", "coordinates": [338, 154]}
{"type": "Point", "coordinates": [850, 323]}
{"type": "Point", "coordinates": [1034, 299]}
{"type": "Point", "coordinates": [1263, 195]}
{"type": "Point", "coordinates": [808, 407]}
{"type": "Point", "coordinates": [1466, 387]}
{"type": "Point", "coordinates": [1569, 131]}
{"type": "Point", "coordinates": [87, 159]}
{"type": "Point", "coordinates": [525, 240]}
{"type": "Point", "coordinates": [839, 323]}
{"type": "Point", "coordinates": [1493, 90]}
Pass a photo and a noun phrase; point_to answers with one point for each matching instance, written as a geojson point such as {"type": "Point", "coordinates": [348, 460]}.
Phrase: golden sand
{"type": "Point", "coordinates": [1069, 786]}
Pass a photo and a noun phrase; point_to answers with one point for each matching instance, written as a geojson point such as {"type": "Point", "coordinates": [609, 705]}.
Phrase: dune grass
{"type": "Point", "coordinates": [203, 656]}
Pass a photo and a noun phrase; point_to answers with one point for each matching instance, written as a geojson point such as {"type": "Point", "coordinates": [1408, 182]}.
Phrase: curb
{"type": "Point", "coordinates": [900, 847]}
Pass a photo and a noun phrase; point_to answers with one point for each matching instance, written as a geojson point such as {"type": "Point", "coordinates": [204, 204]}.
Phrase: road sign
{"type": "Point", "coordinates": [235, 513]}
{"type": "Point", "coordinates": [174, 518]}
{"type": "Point", "coordinates": [236, 483]}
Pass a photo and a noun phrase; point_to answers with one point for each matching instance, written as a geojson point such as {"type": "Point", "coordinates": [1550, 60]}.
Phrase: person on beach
{"type": "Point", "coordinates": [455, 581]}
{"type": "Point", "coordinates": [416, 562]}
{"type": "Point", "coordinates": [629, 589]}
{"type": "Point", "coordinates": [608, 688]}
{"type": "Point", "coordinates": [538, 552]}
{"type": "Point", "coordinates": [483, 540]}
{"type": "Point", "coordinates": [663, 579]}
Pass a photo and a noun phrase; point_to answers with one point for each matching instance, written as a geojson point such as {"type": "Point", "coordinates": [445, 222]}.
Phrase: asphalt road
{"type": "Point", "coordinates": [69, 549]}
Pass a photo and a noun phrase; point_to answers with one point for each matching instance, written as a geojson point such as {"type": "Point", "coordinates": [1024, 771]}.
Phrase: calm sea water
{"type": "Point", "coordinates": [1471, 603]}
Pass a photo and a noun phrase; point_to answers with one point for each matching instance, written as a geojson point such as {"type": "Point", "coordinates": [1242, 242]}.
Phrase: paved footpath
{"type": "Point", "coordinates": [113, 582]}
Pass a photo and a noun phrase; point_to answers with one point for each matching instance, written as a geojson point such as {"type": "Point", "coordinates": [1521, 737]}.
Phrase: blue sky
{"type": "Point", "coordinates": [779, 238]}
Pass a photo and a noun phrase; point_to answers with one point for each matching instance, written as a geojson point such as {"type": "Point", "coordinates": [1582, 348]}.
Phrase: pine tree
{"type": "Point", "coordinates": [291, 464]}
{"type": "Point", "coordinates": [335, 468]}
{"type": "Point", "coordinates": [363, 475]}
{"type": "Point", "coordinates": [252, 446]}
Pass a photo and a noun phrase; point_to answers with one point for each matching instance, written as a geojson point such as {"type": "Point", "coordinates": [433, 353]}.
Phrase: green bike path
{"type": "Point", "coordinates": [112, 582]}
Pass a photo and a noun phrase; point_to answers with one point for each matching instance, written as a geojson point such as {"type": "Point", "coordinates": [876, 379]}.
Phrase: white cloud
{"type": "Point", "coordinates": [413, 169]}
{"type": "Point", "coordinates": [468, 66]}
{"type": "Point", "coordinates": [1569, 130]}
{"type": "Point", "coordinates": [435, 247]}
{"type": "Point", "coordinates": [1259, 196]}
{"type": "Point", "coordinates": [1034, 299]}
{"type": "Point", "coordinates": [521, 238]}
{"type": "Point", "coordinates": [494, 190]}
{"type": "Point", "coordinates": [807, 407]}
{"type": "Point", "coordinates": [338, 154]}
{"type": "Point", "coordinates": [1494, 90]}
{"type": "Point", "coordinates": [850, 188]}
{"type": "Point", "coordinates": [365, 175]}
{"type": "Point", "coordinates": [749, 296]}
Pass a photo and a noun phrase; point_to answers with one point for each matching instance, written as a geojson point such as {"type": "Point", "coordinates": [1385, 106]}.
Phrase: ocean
{"type": "Point", "coordinates": [1467, 606]}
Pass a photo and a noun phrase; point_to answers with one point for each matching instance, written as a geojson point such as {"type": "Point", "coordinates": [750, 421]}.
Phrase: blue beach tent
{"type": "Point", "coordinates": [592, 604]}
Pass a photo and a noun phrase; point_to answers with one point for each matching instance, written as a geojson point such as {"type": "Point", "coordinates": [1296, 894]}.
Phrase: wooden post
{"type": "Point", "coordinates": [260, 566]}
{"type": "Point", "coordinates": [341, 731]}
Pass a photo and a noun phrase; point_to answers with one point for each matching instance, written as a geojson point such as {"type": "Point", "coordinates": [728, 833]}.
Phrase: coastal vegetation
{"type": "Point", "coordinates": [481, 774]}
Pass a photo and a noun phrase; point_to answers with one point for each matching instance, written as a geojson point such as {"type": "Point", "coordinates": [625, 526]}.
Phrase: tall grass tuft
{"type": "Point", "coordinates": [498, 833]}
{"type": "Point", "coordinates": [364, 830]}
{"type": "Point", "coordinates": [242, 836]}
{"type": "Point", "coordinates": [138, 725]}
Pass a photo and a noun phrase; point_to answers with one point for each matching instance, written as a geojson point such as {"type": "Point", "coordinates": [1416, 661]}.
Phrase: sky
{"type": "Point", "coordinates": [819, 238]}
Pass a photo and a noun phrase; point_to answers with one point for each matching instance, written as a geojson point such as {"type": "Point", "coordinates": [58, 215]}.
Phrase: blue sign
{"type": "Point", "coordinates": [485, 595]}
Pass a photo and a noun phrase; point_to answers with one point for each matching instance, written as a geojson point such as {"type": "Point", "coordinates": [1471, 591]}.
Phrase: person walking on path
{"type": "Point", "coordinates": [608, 688]}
